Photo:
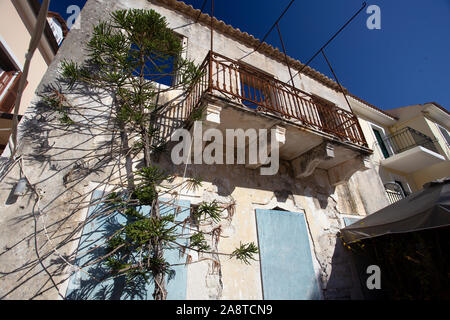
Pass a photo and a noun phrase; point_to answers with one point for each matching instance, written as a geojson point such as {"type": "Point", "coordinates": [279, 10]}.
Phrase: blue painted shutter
{"type": "Point", "coordinates": [286, 262]}
{"type": "Point", "coordinates": [85, 287]}
{"type": "Point", "coordinates": [348, 221]}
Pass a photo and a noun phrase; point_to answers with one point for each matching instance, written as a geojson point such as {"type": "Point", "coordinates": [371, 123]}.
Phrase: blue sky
{"type": "Point", "coordinates": [406, 62]}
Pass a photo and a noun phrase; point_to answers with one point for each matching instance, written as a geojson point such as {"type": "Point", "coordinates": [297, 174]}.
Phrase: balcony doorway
{"type": "Point", "coordinates": [256, 87]}
{"type": "Point", "coordinates": [381, 143]}
{"type": "Point", "coordinates": [9, 81]}
{"type": "Point", "coordinates": [381, 140]}
{"type": "Point", "coordinates": [329, 115]}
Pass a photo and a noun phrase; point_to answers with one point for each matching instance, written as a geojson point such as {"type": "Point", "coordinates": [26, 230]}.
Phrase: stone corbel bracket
{"type": "Point", "coordinates": [211, 116]}
{"type": "Point", "coordinates": [210, 119]}
{"type": "Point", "coordinates": [305, 165]}
{"type": "Point", "coordinates": [342, 172]}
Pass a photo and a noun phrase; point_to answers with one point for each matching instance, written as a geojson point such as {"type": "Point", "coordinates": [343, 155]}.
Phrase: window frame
{"type": "Point", "coordinates": [69, 286]}
{"type": "Point", "coordinates": [388, 146]}
{"type": "Point", "coordinates": [245, 70]}
{"type": "Point", "coordinates": [9, 77]}
{"type": "Point", "coordinates": [440, 128]}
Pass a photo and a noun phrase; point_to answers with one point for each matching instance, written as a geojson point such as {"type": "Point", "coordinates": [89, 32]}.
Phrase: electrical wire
{"type": "Point", "coordinates": [270, 30]}
{"type": "Point", "coordinates": [332, 38]}
{"type": "Point", "coordinates": [201, 10]}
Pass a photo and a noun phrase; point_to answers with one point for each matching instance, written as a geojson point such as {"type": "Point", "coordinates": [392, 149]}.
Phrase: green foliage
{"type": "Point", "coordinates": [52, 102]}
{"type": "Point", "coordinates": [133, 46]}
{"type": "Point", "coordinates": [193, 183]}
{"type": "Point", "coordinates": [126, 55]}
{"type": "Point", "coordinates": [196, 114]}
{"type": "Point", "coordinates": [245, 252]}
{"type": "Point", "coordinates": [58, 102]}
{"type": "Point", "coordinates": [72, 73]}
{"type": "Point", "coordinates": [198, 241]}
{"type": "Point", "coordinates": [115, 265]}
{"type": "Point", "coordinates": [115, 242]}
{"type": "Point", "coordinates": [65, 119]}
{"type": "Point", "coordinates": [148, 178]}
{"type": "Point", "coordinates": [133, 213]}
{"type": "Point", "coordinates": [207, 210]}
{"type": "Point", "coordinates": [144, 230]}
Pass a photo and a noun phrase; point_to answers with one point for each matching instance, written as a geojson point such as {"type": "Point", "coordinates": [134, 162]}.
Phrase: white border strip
{"type": "Point", "coordinates": [11, 54]}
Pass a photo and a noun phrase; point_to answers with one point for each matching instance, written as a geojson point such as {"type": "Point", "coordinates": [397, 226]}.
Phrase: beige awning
{"type": "Point", "coordinates": [425, 209]}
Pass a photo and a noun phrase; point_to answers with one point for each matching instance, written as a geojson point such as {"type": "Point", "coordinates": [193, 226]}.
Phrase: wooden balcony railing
{"type": "Point", "coordinates": [260, 91]}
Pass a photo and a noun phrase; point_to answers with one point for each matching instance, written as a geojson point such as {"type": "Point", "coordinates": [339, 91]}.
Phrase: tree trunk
{"type": "Point", "coordinates": [125, 150]}
{"type": "Point", "coordinates": [147, 147]}
{"type": "Point", "coordinates": [160, 292]}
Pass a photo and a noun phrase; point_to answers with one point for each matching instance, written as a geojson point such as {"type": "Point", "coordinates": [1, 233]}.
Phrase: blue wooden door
{"type": "Point", "coordinates": [286, 263]}
{"type": "Point", "coordinates": [84, 286]}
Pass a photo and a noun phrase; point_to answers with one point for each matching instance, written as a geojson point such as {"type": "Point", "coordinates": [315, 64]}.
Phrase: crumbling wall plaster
{"type": "Point", "coordinates": [62, 161]}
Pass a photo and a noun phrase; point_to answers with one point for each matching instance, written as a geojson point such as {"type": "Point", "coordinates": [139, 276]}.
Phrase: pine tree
{"type": "Point", "coordinates": [127, 56]}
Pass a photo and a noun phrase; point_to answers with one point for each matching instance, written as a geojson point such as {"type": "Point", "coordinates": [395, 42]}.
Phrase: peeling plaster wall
{"type": "Point", "coordinates": [64, 162]}
{"type": "Point", "coordinates": [313, 196]}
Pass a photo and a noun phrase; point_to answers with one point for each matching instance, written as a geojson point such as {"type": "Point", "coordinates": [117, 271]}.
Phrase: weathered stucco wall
{"type": "Point", "coordinates": [16, 36]}
{"type": "Point", "coordinates": [64, 163]}
{"type": "Point", "coordinates": [412, 117]}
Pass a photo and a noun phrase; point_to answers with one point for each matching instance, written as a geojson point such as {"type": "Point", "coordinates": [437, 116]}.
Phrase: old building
{"type": "Point", "coordinates": [326, 178]}
{"type": "Point", "coordinates": [411, 145]}
{"type": "Point", "coordinates": [17, 21]}
{"type": "Point", "coordinates": [58, 26]}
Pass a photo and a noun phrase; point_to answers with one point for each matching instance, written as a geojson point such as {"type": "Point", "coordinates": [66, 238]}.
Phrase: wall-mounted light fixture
{"type": "Point", "coordinates": [21, 187]}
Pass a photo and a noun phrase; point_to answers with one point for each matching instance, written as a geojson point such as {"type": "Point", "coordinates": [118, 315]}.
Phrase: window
{"type": "Point", "coordinates": [385, 146]}
{"type": "Point", "coordinates": [91, 246]}
{"type": "Point", "coordinates": [406, 193]}
{"type": "Point", "coordinates": [381, 143]}
{"type": "Point", "coordinates": [256, 87]}
{"type": "Point", "coordinates": [329, 116]}
{"type": "Point", "coordinates": [349, 220]}
{"type": "Point", "coordinates": [445, 134]}
{"type": "Point", "coordinates": [9, 81]}
{"type": "Point", "coordinates": [159, 68]}
{"type": "Point", "coordinates": [396, 191]}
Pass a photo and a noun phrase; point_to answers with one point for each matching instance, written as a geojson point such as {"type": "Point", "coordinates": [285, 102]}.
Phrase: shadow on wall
{"type": "Point", "coordinates": [344, 283]}
{"type": "Point", "coordinates": [71, 139]}
{"type": "Point", "coordinates": [61, 145]}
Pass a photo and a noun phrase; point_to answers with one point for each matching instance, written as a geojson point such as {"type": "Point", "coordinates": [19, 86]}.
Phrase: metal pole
{"type": "Point", "coordinates": [211, 49]}
{"type": "Point", "coordinates": [285, 55]}
{"type": "Point", "coordinates": [201, 10]}
{"type": "Point", "coordinates": [345, 96]}
{"type": "Point", "coordinates": [336, 78]}
{"type": "Point", "coordinates": [36, 36]}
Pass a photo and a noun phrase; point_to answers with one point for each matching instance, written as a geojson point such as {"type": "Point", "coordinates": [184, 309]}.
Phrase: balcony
{"type": "Point", "coordinates": [9, 84]}
{"type": "Point", "coordinates": [312, 134]}
{"type": "Point", "coordinates": [409, 150]}
{"type": "Point", "coordinates": [240, 83]}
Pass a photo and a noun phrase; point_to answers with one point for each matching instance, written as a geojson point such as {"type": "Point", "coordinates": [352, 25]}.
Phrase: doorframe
{"type": "Point", "coordinates": [274, 205]}
{"type": "Point", "coordinates": [383, 132]}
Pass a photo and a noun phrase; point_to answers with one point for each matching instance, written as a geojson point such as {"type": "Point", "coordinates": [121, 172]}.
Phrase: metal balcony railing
{"type": "Point", "coordinates": [257, 90]}
{"type": "Point", "coordinates": [394, 192]}
{"type": "Point", "coordinates": [408, 138]}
